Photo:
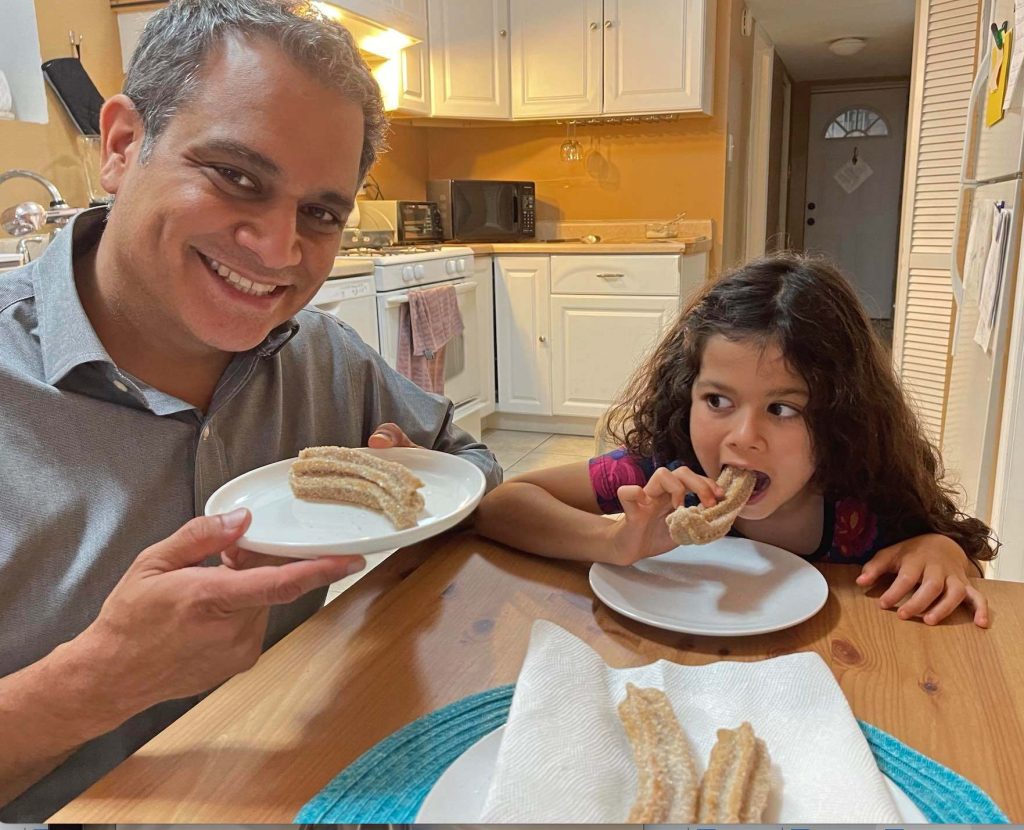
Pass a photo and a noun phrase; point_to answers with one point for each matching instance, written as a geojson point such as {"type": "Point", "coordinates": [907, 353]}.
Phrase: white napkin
{"type": "Point", "coordinates": [6, 104]}
{"type": "Point", "coordinates": [565, 757]}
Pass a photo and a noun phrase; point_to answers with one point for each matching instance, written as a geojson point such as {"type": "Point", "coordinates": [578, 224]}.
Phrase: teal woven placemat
{"type": "Point", "coordinates": [388, 783]}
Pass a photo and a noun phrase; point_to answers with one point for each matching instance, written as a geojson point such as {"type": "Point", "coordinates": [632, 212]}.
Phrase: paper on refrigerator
{"type": "Point", "coordinates": [992, 277]}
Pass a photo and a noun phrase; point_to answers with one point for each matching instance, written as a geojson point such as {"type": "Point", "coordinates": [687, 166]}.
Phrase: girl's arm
{"type": "Point", "coordinates": [555, 512]}
{"type": "Point", "coordinates": [933, 572]}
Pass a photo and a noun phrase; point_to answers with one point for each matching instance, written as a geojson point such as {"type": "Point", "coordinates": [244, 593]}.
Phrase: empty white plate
{"type": "Point", "coordinates": [286, 526]}
{"type": "Point", "coordinates": [728, 588]}
{"type": "Point", "coordinates": [458, 796]}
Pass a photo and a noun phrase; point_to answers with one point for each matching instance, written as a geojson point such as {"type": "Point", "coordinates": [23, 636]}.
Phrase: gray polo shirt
{"type": "Point", "coordinates": [97, 465]}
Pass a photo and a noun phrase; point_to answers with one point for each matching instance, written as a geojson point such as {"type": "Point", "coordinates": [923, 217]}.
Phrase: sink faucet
{"type": "Point", "coordinates": [28, 217]}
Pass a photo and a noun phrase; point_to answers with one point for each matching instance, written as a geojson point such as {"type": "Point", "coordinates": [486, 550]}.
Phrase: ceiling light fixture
{"type": "Point", "coordinates": [847, 46]}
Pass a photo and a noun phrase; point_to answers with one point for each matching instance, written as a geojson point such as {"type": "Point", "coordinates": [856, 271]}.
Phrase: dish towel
{"type": "Point", "coordinates": [389, 782]}
{"type": "Point", "coordinates": [426, 324]}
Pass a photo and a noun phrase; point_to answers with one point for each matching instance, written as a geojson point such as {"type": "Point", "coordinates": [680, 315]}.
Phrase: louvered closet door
{"type": "Point", "coordinates": [944, 63]}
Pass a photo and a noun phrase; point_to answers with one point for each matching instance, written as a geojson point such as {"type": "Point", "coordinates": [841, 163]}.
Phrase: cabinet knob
{"type": "Point", "coordinates": [594, 25]}
{"type": "Point", "coordinates": [810, 221]}
{"type": "Point", "coordinates": [503, 33]}
{"type": "Point", "coordinates": [607, 24]}
{"type": "Point", "coordinates": [542, 339]}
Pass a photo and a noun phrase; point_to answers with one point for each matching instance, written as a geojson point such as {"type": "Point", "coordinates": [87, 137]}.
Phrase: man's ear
{"type": "Point", "coordinates": [121, 140]}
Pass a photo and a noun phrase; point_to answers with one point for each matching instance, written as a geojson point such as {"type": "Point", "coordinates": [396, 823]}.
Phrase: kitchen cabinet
{"type": "Point", "coordinates": [556, 57]}
{"type": "Point", "coordinates": [597, 344]}
{"type": "Point", "coordinates": [658, 55]}
{"type": "Point", "coordinates": [405, 81]}
{"type": "Point", "coordinates": [611, 57]}
{"type": "Point", "coordinates": [483, 275]}
{"type": "Point", "coordinates": [572, 329]}
{"type": "Point", "coordinates": [522, 328]}
{"type": "Point", "coordinates": [469, 58]}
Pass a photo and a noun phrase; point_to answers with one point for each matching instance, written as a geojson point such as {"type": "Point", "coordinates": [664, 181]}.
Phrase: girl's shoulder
{"type": "Point", "coordinates": [614, 469]}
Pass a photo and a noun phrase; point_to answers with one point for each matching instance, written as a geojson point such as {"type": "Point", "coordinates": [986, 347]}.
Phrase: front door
{"type": "Point", "coordinates": [854, 179]}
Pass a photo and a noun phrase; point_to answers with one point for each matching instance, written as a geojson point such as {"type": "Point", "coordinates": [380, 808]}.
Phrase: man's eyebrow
{"type": "Point", "coordinates": [236, 148]}
{"type": "Point", "coordinates": [268, 166]}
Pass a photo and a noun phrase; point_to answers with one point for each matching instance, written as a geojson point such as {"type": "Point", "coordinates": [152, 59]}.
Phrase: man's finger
{"type": "Point", "coordinates": [281, 584]}
{"type": "Point", "coordinates": [389, 435]}
{"type": "Point", "coordinates": [196, 540]}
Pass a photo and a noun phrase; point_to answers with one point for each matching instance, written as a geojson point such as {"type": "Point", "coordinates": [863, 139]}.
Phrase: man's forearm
{"type": "Point", "coordinates": [49, 709]}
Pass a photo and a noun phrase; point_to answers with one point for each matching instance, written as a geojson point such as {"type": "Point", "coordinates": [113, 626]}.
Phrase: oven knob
{"type": "Point", "coordinates": [407, 273]}
{"type": "Point", "coordinates": [449, 266]}
{"type": "Point", "coordinates": [461, 266]}
{"type": "Point", "coordinates": [421, 272]}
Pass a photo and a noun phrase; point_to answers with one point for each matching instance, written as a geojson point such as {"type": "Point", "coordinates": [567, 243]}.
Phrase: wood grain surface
{"type": "Point", "coordinates": [451, 617]}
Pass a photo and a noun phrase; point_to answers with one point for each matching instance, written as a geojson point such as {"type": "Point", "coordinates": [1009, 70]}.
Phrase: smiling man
{"type": "Point", "coordinates": [161, 349]}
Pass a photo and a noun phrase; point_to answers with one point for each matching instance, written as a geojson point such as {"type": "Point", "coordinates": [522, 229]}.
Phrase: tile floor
{"type": "Point", "coordinates": [517, 452]}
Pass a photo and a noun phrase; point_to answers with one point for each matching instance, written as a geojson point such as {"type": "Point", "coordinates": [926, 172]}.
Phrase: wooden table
{"type": "Point", "coordinates": [452, 616]}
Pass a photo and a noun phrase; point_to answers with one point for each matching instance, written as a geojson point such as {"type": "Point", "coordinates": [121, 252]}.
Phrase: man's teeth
{"type": "Point", "coordinates": [246, 286]}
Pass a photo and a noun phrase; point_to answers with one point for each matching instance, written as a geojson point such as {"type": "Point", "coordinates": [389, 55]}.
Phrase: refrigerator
{"type": "Point", "coordinates": [983, 427]}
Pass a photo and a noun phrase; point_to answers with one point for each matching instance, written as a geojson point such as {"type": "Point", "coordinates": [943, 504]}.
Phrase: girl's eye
{"type": "Point", "coordinates": [782, 410]}
{"type": "Point", "coordinates": [236, 177]}
{"type": "Point", "coordinates": [716, 401]}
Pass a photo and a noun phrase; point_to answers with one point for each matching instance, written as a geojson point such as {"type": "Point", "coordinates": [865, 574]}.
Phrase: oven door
{"type": "Point", "coordinates": [462, 376]}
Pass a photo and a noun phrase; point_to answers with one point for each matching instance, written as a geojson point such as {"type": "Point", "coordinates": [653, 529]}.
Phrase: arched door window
{"type": "Point", "coordinates": [857, 122]}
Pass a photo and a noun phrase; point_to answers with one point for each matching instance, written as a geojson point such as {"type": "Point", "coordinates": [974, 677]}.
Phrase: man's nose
{"type": "Point", "coordinates": [272, 234]}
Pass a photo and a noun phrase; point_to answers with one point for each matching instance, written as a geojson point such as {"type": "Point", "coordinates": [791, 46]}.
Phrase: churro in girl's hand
{"type": "Point", "coordinates": [699, 525]}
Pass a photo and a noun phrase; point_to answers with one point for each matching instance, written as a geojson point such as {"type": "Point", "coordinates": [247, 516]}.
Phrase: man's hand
{"type": "Point", "coordinates": [387, 436]}
{"type": "Point", "coordinates": [933, 570]}
{"type": "Point", "coordinates": [171, 629]}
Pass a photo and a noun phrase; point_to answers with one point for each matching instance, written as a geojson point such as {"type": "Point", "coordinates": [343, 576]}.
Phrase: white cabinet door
{"type": "Point", "coordinates": [658, 55]}
{"type": "Point", "coordinates": [521, 290]}
{"type": "Point", "coordinates": [556, 57]}
{"type": "Point", "coordinates": [469, 58]}
{"type": "Point", "coordinates": [414, 79]}
{"type": "Point", "coordinates": [598, 343]}
{"type": "Point", "coordinates": [483, 274]}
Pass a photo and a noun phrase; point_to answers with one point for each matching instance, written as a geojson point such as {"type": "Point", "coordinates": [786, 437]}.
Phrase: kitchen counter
{"type": "Point", "coordinates": [451, 617]}
{"type": "Point", "coordinates": [679, 245]}
{"type": "Point", "coordinates": [349, 266]}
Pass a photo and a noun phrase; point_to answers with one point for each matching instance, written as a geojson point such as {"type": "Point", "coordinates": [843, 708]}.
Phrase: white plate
{"type": "Point", "coordinates": [459, 794]}
{"type": "Point", "coordinates": [287, 526]}
{"type": "Point", "coordinates": [727, 588]}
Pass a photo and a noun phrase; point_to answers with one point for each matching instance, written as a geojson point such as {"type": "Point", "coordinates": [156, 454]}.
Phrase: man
{"type": "Point", "coordinates": [155, 353]}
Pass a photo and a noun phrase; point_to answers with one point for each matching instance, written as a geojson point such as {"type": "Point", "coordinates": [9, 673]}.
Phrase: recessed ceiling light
{"type": "Point", "coordinates": [847, 46]}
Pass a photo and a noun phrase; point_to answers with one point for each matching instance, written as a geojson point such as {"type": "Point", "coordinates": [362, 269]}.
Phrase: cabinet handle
{"type": "Point", "coordinates": [611, 276]}
{"type": "Point", "coordinates": [542, 339]}
{"type": "Point", "coordinates": [503, 33]}
{"type": "Point", "coordinates": [607, 24]}
{"type": "Point", "coordinates": [594, 25]}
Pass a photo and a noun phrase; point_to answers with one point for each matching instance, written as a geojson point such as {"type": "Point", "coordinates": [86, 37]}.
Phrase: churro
{"type": "Point", "coordinates": [736, 784]}
{"type": "Point", "coordinates": [666, 776]}
{"type": "Point", "coordinates": [343, 474]}
{"type": "Point", "coordinates": [699, 525]}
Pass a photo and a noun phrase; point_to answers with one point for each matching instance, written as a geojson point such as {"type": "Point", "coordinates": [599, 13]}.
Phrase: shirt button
{"type": "Point", "coordinates": [206, 432]}
{"type": "Point", "coordinates": [120, 386]}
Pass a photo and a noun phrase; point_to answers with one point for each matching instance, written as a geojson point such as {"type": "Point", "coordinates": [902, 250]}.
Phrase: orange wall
{"type": "Point", "coordinates": [50, 149]}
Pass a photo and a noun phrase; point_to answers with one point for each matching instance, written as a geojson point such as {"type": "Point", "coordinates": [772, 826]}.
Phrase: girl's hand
{"type": "Point", "coordinates": [933, 570]}
{"type": "Point", "coordinates": [642, 532]}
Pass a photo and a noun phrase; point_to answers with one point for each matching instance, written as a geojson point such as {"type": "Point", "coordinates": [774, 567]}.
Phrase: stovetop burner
{"type": "Point", "coordinates": [388, 250]}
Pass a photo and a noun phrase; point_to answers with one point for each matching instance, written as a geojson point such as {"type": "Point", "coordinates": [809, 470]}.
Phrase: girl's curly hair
{"type": "Point", "coordinates": [866, 438]}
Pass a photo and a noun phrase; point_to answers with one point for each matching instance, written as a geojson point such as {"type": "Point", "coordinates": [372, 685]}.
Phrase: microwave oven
{"type": "Point", "coordinates": [409, 222]}
{"type": "Point", "coordinates": [476, 210]}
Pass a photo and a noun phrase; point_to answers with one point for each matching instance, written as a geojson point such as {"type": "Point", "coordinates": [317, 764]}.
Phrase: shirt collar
{"type": "Point", "coordinates": [66, 336]}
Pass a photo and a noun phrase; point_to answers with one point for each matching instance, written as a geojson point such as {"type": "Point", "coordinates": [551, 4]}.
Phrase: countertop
{"type": "Point", "coordinates": [679, 245]}
{"type": "Point", "coordinates": [350, 266]}
{"type": "Point", "coordinates": [452, 616]}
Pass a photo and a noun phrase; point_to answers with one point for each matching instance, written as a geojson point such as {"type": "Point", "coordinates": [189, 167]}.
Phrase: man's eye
{"type": "Point", "coordinates": [236, 177]}
{"type": "Point", "coordinates": [323, 216]}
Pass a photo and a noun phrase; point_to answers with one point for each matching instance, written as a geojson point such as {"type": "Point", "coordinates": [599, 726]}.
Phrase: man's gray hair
{"type": "Point", "coordinates": [165, 71]}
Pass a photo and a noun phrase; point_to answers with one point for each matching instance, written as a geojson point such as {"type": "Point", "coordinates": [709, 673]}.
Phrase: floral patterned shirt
{"type": "Point", "coordinates": [850, 534]}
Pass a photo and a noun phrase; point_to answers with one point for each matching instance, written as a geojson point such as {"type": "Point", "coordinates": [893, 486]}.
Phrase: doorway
{"type": "Point", "coordinates": [855, 151]}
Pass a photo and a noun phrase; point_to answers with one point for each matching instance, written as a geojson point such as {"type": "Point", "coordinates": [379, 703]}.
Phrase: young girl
{"type": "Point", "coordinates": [774, 368]}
